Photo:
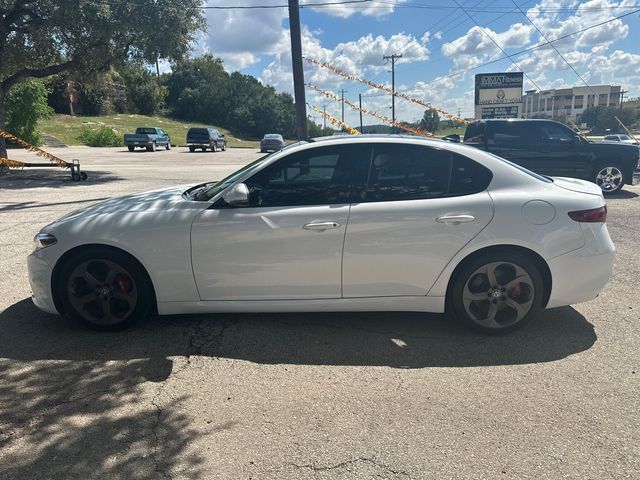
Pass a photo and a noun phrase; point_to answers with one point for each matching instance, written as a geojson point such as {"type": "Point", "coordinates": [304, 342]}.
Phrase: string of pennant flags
{"type": "Point", "coordinates": [378, 86]}
{"type": "Point", "coordinates": [41, 153]}
{"type": "Point", "coordinates": [334, 121]}
{"type": "Point", "coordinates": [377, 115]}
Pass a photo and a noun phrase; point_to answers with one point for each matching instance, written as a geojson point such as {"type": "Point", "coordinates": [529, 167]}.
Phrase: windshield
{"type": "Point", "coordinates": [205, 194]}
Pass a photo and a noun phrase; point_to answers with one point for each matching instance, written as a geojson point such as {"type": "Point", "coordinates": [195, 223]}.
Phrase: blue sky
{"type": "Point", "coordinates": [437, 39]}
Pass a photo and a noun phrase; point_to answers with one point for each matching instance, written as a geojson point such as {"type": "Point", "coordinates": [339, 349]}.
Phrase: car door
{"type": "Point", "coordinates": [514, 140]}
{"type": "Point", "coordinates": [562, 152]}
{"type": "Point", "coordinates": [420, 206]}
{"type": "Point", "coordinates": [287, 243]}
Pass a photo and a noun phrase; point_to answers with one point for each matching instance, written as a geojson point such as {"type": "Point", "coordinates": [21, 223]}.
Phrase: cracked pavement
{"type": "Point", "coordinates": [304, 396]}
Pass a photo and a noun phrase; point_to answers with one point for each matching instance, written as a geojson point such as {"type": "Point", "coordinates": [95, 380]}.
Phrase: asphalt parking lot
{"type": "Point", "coordinates": [313, 396]}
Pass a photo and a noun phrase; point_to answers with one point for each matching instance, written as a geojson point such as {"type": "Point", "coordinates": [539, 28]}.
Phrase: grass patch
{"type": "Point", "coordinates": [69, 129]}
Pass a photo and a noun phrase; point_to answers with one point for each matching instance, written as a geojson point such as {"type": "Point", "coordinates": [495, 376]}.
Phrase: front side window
{"type": "Point", "coordinates": [321, 176]}
{"type": "Point", "coordinates": [412, 172]}
{"type": "Point", "coordinates": [555, 133]}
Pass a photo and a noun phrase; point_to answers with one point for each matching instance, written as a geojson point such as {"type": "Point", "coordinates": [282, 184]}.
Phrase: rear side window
{"type": "Point", "coordinates": [511, 134]}
{"type": "Point", "coordinates": [412, 172]}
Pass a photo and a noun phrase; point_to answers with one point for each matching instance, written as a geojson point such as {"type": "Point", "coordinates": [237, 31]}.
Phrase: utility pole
{"type": "Point", "coordinates": [298, 73]}
{"type": "Point", "coordinates": [342, 105]}
{"type": "Point", "coordinates": [360, 102]}
{"type": "Point", "coordinates": [393, 87]}
{"type": "Point", "coordinates": [622, 92]}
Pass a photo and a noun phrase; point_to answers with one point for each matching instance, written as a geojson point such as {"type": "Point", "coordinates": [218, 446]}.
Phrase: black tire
{"type": "Point", "coordinates": [224, 147]}
{"type": "Point", "coordinates": [73, 287]}
{"type": "Point", "coordinates": [214, 148]}
{"type": "Point", "coordinates": [192, 149]}
{"type": "Point", "coordinates": [204, 149]}
{"type": "Point", "coordinates": [609, 176]}
{"type": "Point", "coordinates": [76, 177]}
{"type": "Point", "coordinates": [131, 148]}
{"type": "Point", "coordinates": [167, 146]}
{"type": "Point", "coordinates": [498, 313]}
{"type": "Point", "coordinates": [83, 175]}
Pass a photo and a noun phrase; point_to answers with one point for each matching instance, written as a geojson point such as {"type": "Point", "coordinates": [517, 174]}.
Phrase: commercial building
{"type": "Point", "coordinates": [569, 103]}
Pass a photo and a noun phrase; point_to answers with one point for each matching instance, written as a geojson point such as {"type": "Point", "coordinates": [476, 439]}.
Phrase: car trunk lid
{"type": "Point", "coordinates": [577, 185]}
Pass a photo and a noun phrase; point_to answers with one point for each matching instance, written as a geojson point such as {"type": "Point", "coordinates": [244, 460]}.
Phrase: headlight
{"type": "Point", "coordinates": [43, 240]}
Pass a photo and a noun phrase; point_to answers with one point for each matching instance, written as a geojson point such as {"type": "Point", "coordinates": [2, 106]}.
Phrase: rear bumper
{"type": "Point", "coordinates": [40, 280]}
{"type": "Point", "coordinates": [579, 276]}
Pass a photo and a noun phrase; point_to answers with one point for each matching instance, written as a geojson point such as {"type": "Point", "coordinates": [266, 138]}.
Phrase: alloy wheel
{"type": "Point", "coordinates": [609, 179]}
{"type": "Point", "coordinates": [102, 292]}
{"type": "Point", "coordinates": [498, 295]}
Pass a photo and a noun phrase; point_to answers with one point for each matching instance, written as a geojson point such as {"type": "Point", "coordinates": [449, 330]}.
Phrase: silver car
{"type": "Point", "coordinates": [271, 142]}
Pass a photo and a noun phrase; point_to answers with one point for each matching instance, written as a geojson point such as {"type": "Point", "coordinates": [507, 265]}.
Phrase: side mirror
{"type": "Point", "coordinates": [577, 140]}
{"type": "Point", "coordinates": [237, 195]}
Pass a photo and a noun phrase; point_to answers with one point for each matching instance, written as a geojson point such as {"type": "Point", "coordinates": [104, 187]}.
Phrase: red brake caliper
{"type": "Point", "coordinates": [124, 283]}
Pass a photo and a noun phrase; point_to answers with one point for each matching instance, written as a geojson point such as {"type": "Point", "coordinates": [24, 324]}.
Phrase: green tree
{"type": "Point", "coordinates": [430, 120]}
{"type": "Point", "coordinates": [26, 103]}
{"type": "Point", "coordinates": [40, 38]}
{"type": "Point", "coordinates": [601, 119]}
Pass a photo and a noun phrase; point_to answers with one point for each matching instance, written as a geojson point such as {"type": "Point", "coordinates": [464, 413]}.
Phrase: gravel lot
{"type": "Point", "coordinates": [314, 396]}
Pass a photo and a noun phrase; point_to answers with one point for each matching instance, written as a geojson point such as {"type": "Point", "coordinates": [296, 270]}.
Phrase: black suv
{"type": "Point", "coordinates": [553, 149]}
{"type": "Point", "coordinates": [205, 138]}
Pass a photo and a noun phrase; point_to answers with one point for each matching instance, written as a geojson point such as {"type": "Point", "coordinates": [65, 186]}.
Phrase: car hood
{"type": "Point", "coordinates": [155, 200]}
{"type": "Point", "coordinates": [620, 148]}
{"type": "Point", "coordinates": [576, 185]}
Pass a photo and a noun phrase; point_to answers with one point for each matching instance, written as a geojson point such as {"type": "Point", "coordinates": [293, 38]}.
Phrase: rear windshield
{"type": "Point", "coordinates": [535, 175]}
{"type": "Point", "coordinates": [151, 131]}
{"type": "Point", "coordinates": [198, 131]}
{"type": "Point", "coordinates": [474, 133]}
{"type": "Point", "coordinates": [273, 136]}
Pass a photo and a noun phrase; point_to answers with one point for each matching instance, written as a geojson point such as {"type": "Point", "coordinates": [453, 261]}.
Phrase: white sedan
{"type": "Point", "coordinates": [359, 223]}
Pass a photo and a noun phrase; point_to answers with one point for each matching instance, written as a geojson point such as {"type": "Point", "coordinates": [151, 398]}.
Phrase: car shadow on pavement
{"type": "Point", "coordinates": [79, 404]}
{"type": "Point", "coordinates": [400, 340]}
{"type": "Point", "coordinates": [622, 194]}
{"type": "Point", "coordinates": [51, 178]}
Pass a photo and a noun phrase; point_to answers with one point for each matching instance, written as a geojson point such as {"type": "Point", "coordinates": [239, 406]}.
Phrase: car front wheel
{"type": "Point", "coordinates": [105, 289]}
{"type": "Point", "coordinates": [609, 178]}
{"type": "Point", "coordinates": [496, 293]}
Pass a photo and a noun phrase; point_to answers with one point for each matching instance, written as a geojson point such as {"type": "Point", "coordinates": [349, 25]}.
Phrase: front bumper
{"type": "Point", "coordinates": [40, 279]}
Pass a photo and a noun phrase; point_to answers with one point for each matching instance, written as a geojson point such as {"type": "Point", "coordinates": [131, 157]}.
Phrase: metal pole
{"type": "Point", "coordinates": [393, 87]}
{"type": "Point", "coordinates": [298, 73]}
{"type": "Point", "coordinates": [360, 102]}
{"type": "Point", "coordinates": [622, 92]}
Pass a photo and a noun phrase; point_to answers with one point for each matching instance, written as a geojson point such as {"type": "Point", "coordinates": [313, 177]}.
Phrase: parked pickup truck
{"type": "Point", "coordinates": [147, 137]}
{"type": "Point", "coordinates": [553, 149]}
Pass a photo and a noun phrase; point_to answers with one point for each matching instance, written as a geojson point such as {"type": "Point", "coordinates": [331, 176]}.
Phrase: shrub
{"type": "Point", "coordinates": [103, 137]}
{"type": "Point", "coordinates": [26, 103]}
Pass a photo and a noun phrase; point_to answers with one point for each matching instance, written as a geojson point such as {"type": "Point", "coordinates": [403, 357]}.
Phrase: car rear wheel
{"type": "Point", "coordinates": [131, 148]}
{"type": "Point", "coordinates": [214, 148]}
{"type": "Point", "coordinates": [168, 146]}
{"type": "Point", "coordinates": [609, 178]}
{"type": "Point", "coordinates": [204, 149]}
{"type": "Point", "coordinates": [105, 289]}
{"type": "Point", "coordinates": [496, 293]}
{"type": "Point", "coordinates": [192, 149]}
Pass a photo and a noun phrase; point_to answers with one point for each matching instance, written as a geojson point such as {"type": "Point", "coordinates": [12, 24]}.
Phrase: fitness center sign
{"type": "Point", "coordinates": [498, 95]}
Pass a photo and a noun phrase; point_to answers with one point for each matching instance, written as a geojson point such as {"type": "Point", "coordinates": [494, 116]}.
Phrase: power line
{"type": "Point", "coordinates": [497, 45]}
{"type": "Point", "coordinates": [554, 47]}
{"type": "Point", "coordinates": [535, 47]}
{"type": "Point", "coordinates": [241, 7]}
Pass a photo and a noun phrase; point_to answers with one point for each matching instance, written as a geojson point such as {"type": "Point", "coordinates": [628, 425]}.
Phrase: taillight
{"type": "Point", "coordinates": [593, 215]}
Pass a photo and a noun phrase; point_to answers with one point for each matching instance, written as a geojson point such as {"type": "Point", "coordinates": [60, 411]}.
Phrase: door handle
{"type": "Point", "coordinates": [455, 219]}
{"type": "Point", "coordinates": [320, 226]}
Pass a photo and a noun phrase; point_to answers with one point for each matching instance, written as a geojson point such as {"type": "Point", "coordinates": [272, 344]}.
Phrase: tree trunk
{"type": "Point", "coordinates": [3, 145]}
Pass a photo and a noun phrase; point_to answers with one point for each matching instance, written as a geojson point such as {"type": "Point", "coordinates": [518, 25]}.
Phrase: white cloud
{"type": "Point", "coordinates": [371, 9]}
